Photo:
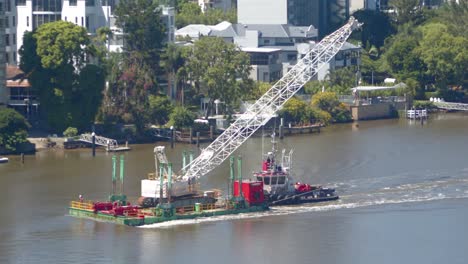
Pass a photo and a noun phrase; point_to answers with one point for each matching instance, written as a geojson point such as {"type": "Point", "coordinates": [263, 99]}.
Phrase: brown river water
{"type": "Point", "coordinates": [403, 188]}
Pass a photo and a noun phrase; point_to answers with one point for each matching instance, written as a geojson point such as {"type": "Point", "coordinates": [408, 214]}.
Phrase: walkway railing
{"type": "Point", "coordinates": [415, 114]}
{"type": "Point", "coordinates": [451, 106]}
{"type": "Point", "coordinates": [82, 205]}
{"type": "Point", "coordinates": [109, 143]}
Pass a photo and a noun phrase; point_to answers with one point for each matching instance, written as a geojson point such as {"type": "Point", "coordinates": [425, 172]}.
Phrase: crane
{"type": "Point", "coordinates": [264, 108]}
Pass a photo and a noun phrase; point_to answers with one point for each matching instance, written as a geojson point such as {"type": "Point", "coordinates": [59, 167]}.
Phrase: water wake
{"type": "Point", "coordinates": [432, 190]}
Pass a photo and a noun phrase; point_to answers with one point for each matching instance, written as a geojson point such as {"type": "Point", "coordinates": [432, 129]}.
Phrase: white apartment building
{"type": "Point", "coordinates": [27, 15]}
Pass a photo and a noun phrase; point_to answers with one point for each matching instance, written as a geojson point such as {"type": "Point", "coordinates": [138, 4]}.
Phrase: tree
{"type": "Point", "coordinates": [377, 27]}
{"type": "Point", "coordinates": [70, 132]}
{"type": "Point", "coordinates": [160, 107]}
{"type": "Point", "coordinates": [445, 55]}
{"type": "Point", "coordinates": [13, 129]}
{"type": "Point", "coordinates": [455, 15]}
{"type": "Point", "coordinates": [405, 9]}
{"type": "Point", "coordinates": [144, 31]}
{"type": "Point", "coordinates": [328, 102]}
{"type": "Point", "coordinates": [294, 111]}
{"type": "Point", "coordinates": [54, 57]}
{"type": "Point", "coordinates": [181, 117]}
{"type": "Point", "coordinates": [172, 61]}
{"type": "Point", "coordinates": [190, 13]}
{"type": "Point", "coordinates": [219, 70]}
{"type": "Point", "coordinates": [403, 58]}
{"type": "Point", "coordinates": [132, 75]}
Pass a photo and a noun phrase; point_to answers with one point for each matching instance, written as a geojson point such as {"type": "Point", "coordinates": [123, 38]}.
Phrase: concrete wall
{"type": "Point", "coordinates": [375, 111]}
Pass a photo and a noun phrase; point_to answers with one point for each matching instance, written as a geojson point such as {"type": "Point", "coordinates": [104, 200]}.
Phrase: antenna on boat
{"type": "Point", "coordinates": [263, 145]}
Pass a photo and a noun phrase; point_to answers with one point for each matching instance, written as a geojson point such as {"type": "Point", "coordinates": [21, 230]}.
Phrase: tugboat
{"type": "Point", "coordinates": [280, 187]}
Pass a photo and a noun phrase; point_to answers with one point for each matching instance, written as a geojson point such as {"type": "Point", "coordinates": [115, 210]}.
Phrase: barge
{"type": "Point", "coordinates": [166, 201]}
{"type": "Point", "coordinates": [279, 185]}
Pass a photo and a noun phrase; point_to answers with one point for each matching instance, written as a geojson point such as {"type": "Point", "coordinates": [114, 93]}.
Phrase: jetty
{"type": "Point", "coordinates": [110, 144]}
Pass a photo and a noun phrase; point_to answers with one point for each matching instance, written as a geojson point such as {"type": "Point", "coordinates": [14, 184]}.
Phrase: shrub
{"type": "Point", "coordinates": [70, 132]}
{"type": "Point", "coordinates": [181, 117]}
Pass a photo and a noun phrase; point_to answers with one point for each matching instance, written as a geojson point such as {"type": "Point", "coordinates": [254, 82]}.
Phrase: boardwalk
{"type": "Point", "coordinates": [451, 106]}
{"type": "Point", "coordinates": [109, 143]}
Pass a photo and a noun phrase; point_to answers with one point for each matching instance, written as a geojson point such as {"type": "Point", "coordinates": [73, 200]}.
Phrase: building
{"type": "Point", "coordinates": [325, 15]}
{"type": "Point", "coordinates": [27, 15]}
{"type": "Point", "coordinates": [355, 5]}
{"type": "Point", "coordinates": [19, 94]}
{"type": "Point", "coordinates": [3, 95]}
{"type": "Point", "coordinates": [273, 49]}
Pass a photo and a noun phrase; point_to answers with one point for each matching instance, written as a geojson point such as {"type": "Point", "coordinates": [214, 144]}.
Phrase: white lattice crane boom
{"type": "Point", "coordinates": [264, 108]}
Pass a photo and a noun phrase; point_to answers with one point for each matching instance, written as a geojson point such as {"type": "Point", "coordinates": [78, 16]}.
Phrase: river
{"type": "Point", "coordinates": [403, 188]}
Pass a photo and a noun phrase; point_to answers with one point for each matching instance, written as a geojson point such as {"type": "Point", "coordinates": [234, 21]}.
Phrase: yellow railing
{"type": "Point", "coordinates": [185, 209]}
{"type": "Point", "coordinates": [208, 207]}
{"type": "Point", "coordinates": [87, 205]}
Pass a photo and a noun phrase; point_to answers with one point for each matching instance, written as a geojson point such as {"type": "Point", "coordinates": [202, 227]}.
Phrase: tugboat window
{"type": "Point", "coordinates": [266, 180]}
{"type": "Point", "coordinates": [281, 180]}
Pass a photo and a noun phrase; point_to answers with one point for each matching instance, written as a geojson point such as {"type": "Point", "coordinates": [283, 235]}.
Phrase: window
{"type": "Point", "coordinates": [47, 5]}
{"type": "Point", "coordinates": [14, 39]}
{"type": "Point", "coordinates": [89, 2]}
{"type": "Point", "coordinates": [20, 2]}
{"type": "Point", "coordinates": [1, 6]}
{"type": "Point", "coordinates": [27, 21]}
{"type": "Point", "coordinates": [14, 21]}
{"type": "Point", "coordinates": [72, 2]}
{"type": "Point", "coordinates": [42, 19]}
{"type": "Point", "coordinates": [7, 21]}
{"type": "Point", "coordinates": [66, 19]}
{"type": "Point", "coordinates": [8, 5]}
{"type": "Point", "coordinates": [258, 59]}
{"type": "Point", "coordinates": [266, 41]}
{"type": "Point", "coordinates": [14, 56]}
{"type": "Point", "coordinates": [82, 21]}
{"type": "Point", "coordinates": [87, 22]}
{"type": "Point", "coordinates": [7, 39]}
{"type": "Point", "coordinates": [292, 57]}
{"type": "Point", "coordinates": [7, 58]}
{"type": "Point", "coordinates": [76, 20]}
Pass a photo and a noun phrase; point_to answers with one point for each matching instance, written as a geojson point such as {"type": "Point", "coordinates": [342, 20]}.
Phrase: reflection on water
{"type": "Point", "coordinates": [388, 173]}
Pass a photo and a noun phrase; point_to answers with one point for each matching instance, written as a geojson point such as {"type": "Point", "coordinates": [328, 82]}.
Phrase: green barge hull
{"type": "Point", "coordinates": [163, 217]}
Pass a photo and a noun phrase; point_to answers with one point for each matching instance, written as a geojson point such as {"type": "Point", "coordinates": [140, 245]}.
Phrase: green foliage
{"type": "Point", "coordinates": [445, 55]}
{"type": "Point", "coordinates": [70, 132]}
{"type": "Point", "coordinates": [61, 43]}
{"type": "Point", "coordinates": [259, 89]}
{"type": "Point", "coordinates": [328, 102]}
{"type": "Point", "coordinates": [404, 60]}
{"type": "Point", "coordinates": [160, 107]}
{"type": "Point", "coordinates": [294, 110]}
{"type": "Point", "coordinates": [141, 22]}
{"type": "Point", "coordinates": [219, 70]}
{"type": "Point", "coordinates": [53, 57]}
{"type": "Point", "coordinates": [424, 105]}
{"type": "Point", "coordinates": [455, 16]}
{"type": "Point", "coordinates": [181, 117]}
{"type": "Point", "coordinates": [339, 81]}
{"type": "Point", "coordinates": [377, 27]}
{"type": "Point", "coordinates": [13, 129]}
{"type": "Point", "coordinates": [190, 13]}
{"type": "Point", "coordinates": [132, 75]}
{"type": "Point", "coordinates": [406, 10]}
